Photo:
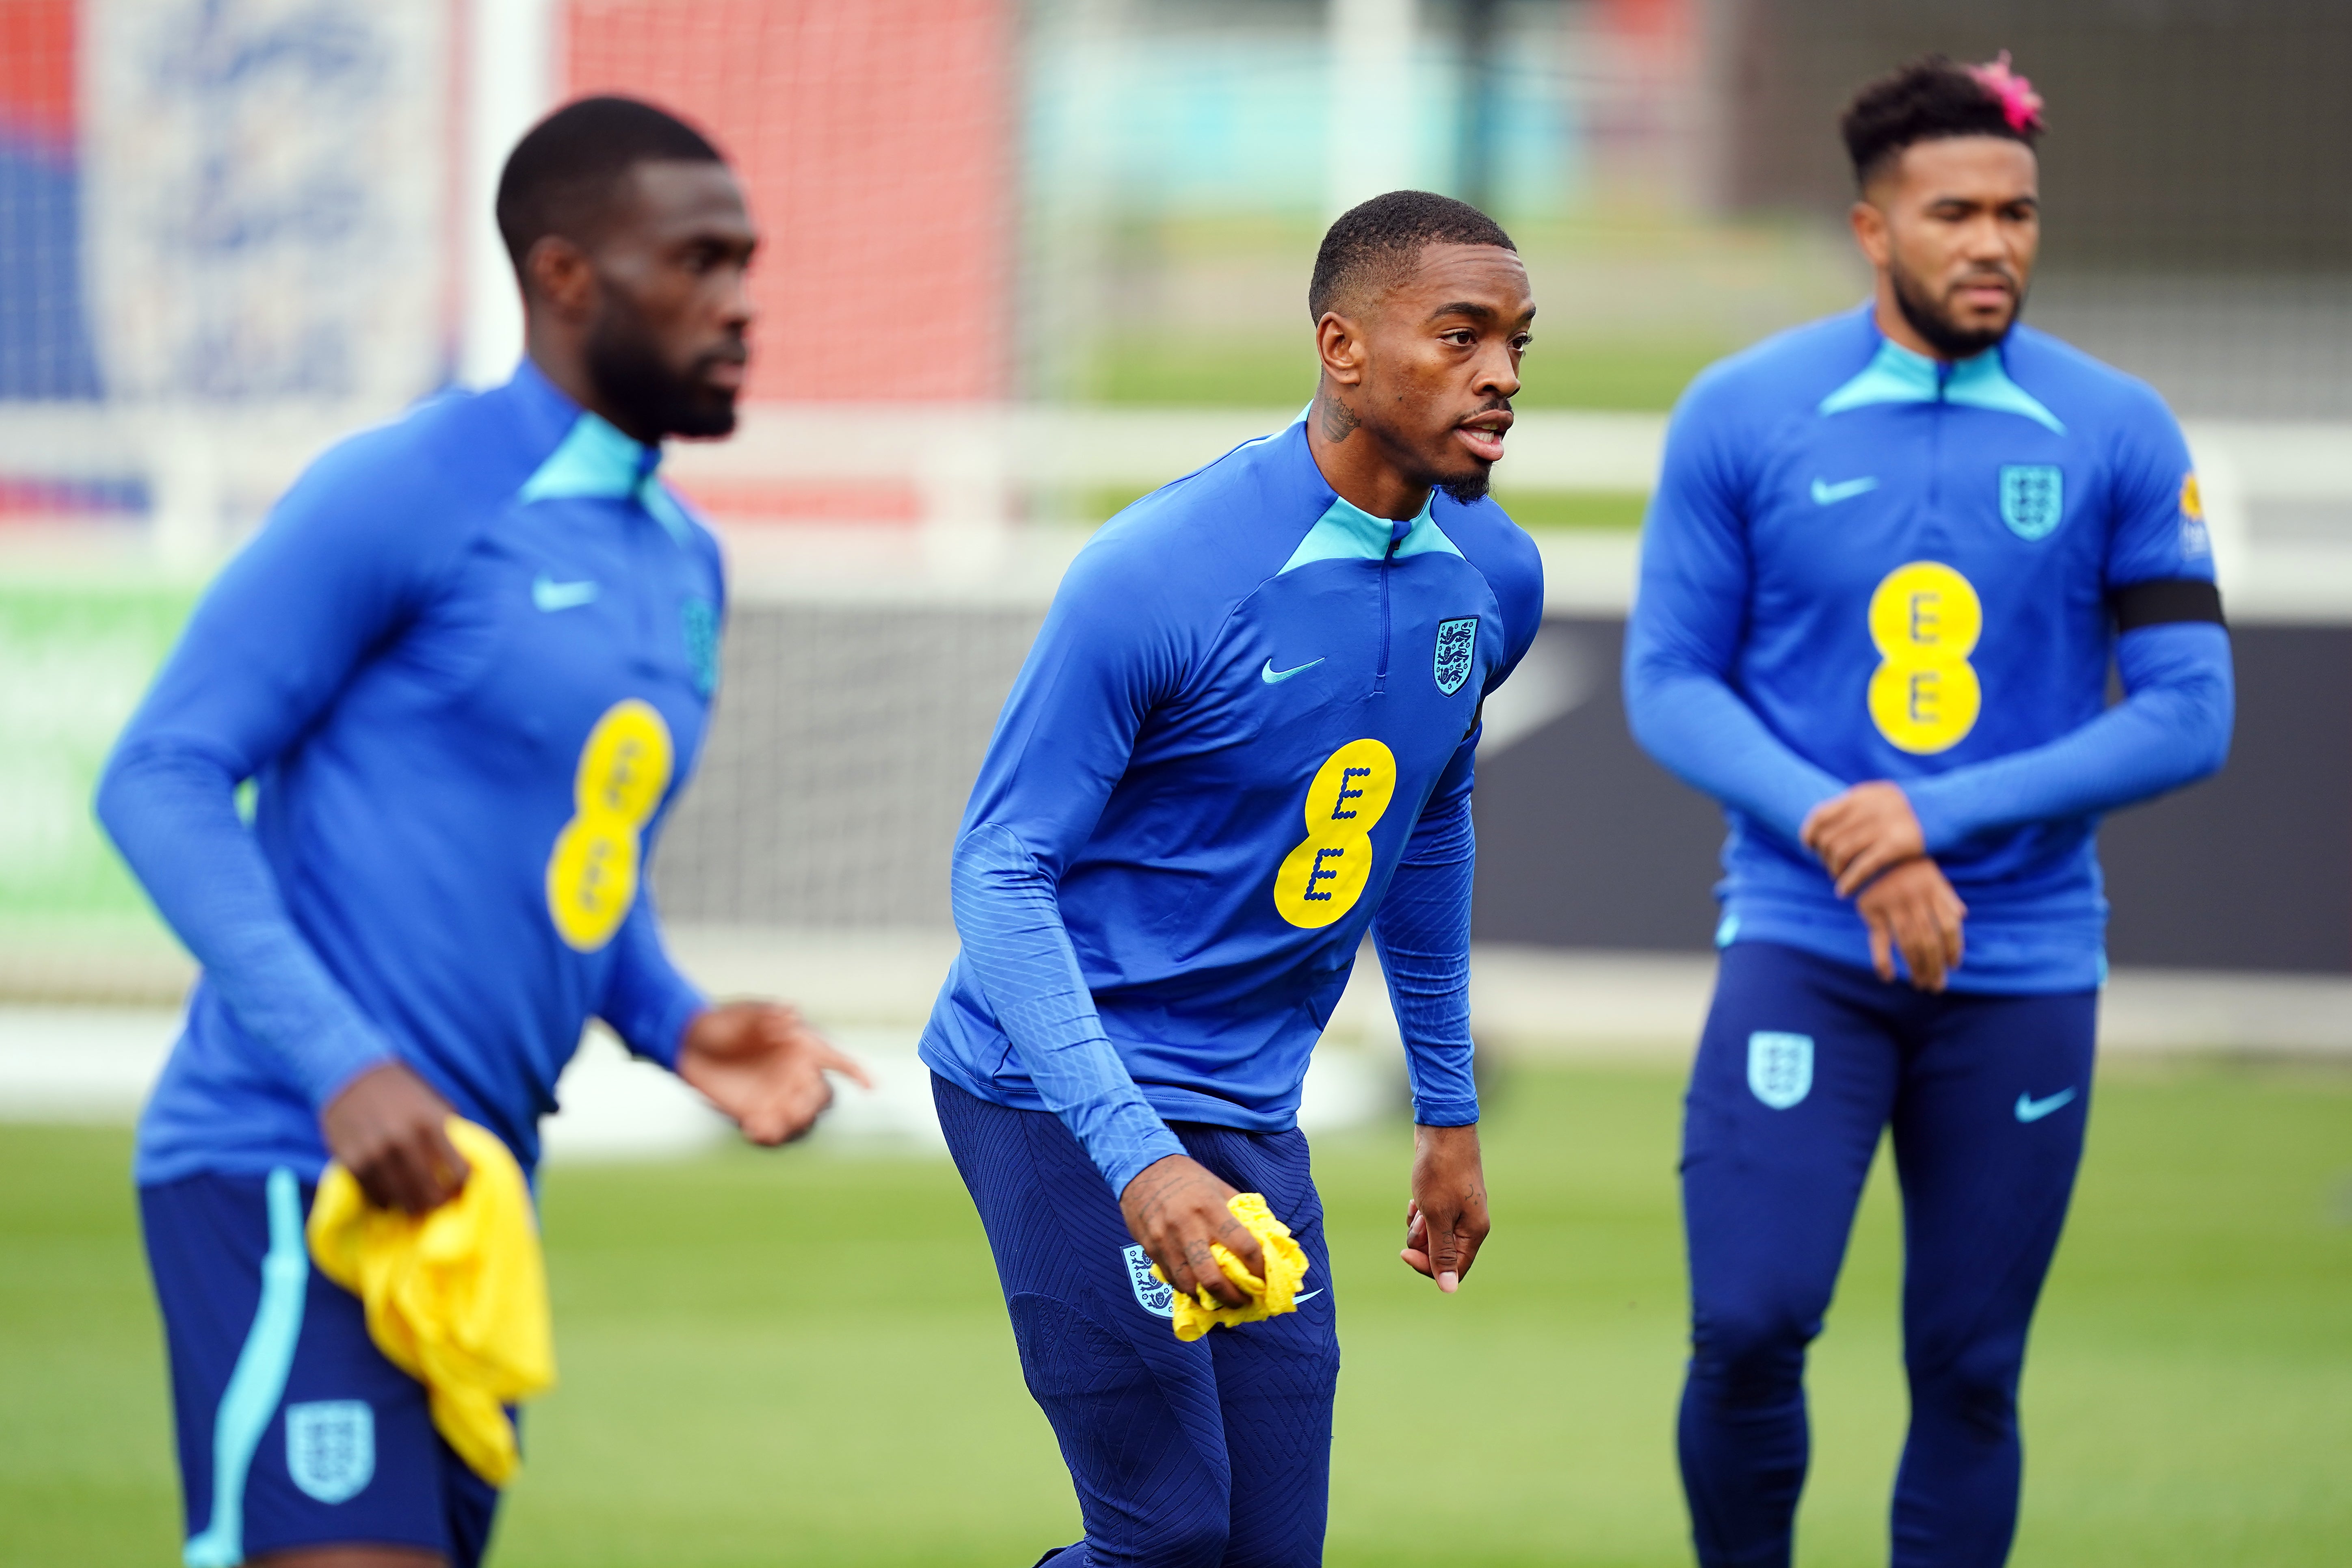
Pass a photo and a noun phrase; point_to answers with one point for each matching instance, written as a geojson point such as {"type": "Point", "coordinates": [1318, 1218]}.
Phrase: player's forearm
{"type": "Point", "coordinates": [2171, 729]}
{"type": "Point", "coordinates": [171, 811]}
{"type": "Point", "coordinates": [1696, 596]}
{"type": "Point", "coordinates": [1697, 726]}
{"type": "Point", "coordinates": [1020, 951]}
{"type": "Point", "coordinates": [646, 1001]}
{"type": "Point", "coordinates": [1422, 935]}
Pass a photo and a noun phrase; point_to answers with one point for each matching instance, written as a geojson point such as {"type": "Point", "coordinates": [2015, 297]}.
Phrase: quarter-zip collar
{"type": "Point", "coordinates": [1346, 531]}
{"type": "Point", "coordinates": [1897, 374]}
{"type": "Point", "coordinates": [593, 460]}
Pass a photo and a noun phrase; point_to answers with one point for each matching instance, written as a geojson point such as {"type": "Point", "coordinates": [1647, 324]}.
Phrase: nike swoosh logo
{"type": "Point", "coordinates": [1274, 676]}
{"type": "Point", "coordinates": [1305, 1296]}
{"type": "Point", "coordinates": [1827, 494]}
{"type": "Point", "coordinates": [552, 596]}
{"type": "Point", "coordinates": [2031, 1109]}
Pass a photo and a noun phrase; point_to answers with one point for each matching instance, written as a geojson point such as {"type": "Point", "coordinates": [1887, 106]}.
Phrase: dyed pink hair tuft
{"type": "Point", "coordinates": [2018, 102]}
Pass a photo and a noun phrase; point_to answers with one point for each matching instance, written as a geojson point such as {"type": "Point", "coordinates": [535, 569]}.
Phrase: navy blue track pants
{"type": "Point", "coordinates": [1803, 1063]}
{"type": "Point", "coordinates": [1215, 1454]}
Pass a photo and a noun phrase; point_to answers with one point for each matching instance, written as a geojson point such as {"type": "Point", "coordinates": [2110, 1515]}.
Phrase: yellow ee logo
{"type": "Point", "coordinates": [592, 876]}
{"type": "Point", "coordinates": [1925, 620]}
{"type": "Point", "coordinates": [1321, 879]}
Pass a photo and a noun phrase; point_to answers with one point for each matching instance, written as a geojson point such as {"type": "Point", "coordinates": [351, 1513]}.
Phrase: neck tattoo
{"type": "Point", "coordinates": [1338, 421]}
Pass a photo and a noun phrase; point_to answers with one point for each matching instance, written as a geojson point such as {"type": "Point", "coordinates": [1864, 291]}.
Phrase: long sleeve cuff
{"type": "Point", "coordinates": [1128, 1140]}
{"type": "Point", "coordinates": [1461, 1112]}
{"type": "Point", "coordinates": [646, 1001]}
{"type": "Point", "coordinates": [333, 1059]}
{"type": "Point", "coordinates": [656, 1027]}
{"type": "Point", "coordinates": [1947, 815]}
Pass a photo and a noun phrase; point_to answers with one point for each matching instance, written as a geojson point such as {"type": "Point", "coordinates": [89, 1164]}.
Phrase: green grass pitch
{"type": "Point", "coordinates": [802, 1358]}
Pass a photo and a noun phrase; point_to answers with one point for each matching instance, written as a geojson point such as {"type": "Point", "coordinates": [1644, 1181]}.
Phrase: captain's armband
{"type": "Point", "coordinates": [2165, 601]}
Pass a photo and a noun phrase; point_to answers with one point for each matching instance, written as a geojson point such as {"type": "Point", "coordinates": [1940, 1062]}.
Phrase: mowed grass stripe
{"type": "Point", "coordinates": [804, 1357]}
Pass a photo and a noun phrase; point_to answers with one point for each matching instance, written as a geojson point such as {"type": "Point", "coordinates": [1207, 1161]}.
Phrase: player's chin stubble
{"type": "Point", "coordinates": [1340, 422]}
{"type": "Point", "coordinates": [1932, 319]}
{"type": "Point", "coordinates": [1466, 491]}
{"type": "Point", "coordinates": [627, 365]}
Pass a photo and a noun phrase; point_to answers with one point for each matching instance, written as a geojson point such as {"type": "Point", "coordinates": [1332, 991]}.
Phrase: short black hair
{"type": "Point", "coordinates": [1931, 97]}
{"type": "Point", "coordinates": [1375, 245]}
{"type": "Point", "coordinates": [564, 169]}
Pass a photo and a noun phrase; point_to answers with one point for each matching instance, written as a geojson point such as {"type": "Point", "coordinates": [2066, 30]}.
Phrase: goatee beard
{"type": "Point", "coordinates": [627, 369]}
{"type": "Point", "coordinates": [1946, 337]}
{"type": "Point", "coordinates": [1466, 492]}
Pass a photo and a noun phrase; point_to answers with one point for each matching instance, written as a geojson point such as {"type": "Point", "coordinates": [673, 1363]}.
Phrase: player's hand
{"type": "Point", "coordinates": [1863, 832]}
{"type": "Point", "coordinates": [1174, 1209]}
{"type": "Point", "coordinates": [763, 1066]}
{"type": "Point", "coordinates": [389, 1130]}
{"type": "Point", "coordinates": [1445, 1220]}
{"type": "Point", "coordinates": [1914, 910]}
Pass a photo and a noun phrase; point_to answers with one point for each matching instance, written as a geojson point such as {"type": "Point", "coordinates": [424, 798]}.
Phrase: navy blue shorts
{"type": "Point", "coordinates": [1184, 1456]}
{"type": "Point", "coordinates": [294, 1429]}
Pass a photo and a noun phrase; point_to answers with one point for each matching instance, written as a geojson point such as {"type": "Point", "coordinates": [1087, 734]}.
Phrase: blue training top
{"type": "Point", "coordinates": [1246, 728]}
{"type": "Point", "coordinates": [1861, 563]}
{"type": "Point", "coordinates": [467, 662]}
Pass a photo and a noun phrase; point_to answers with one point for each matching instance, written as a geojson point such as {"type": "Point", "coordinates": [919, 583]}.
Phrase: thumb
{"type": "Point", "coordinates": [1445, 1255]}
{"type": "Point", "coordinates": [449, 1164]}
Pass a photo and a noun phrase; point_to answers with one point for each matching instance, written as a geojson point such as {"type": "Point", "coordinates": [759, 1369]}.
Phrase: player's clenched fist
{"type": "Point", "coordinates": [389, 1130]}
{"type": "Point", "coordinates": [1445, 1220]}
{"type": "Point", "coordinates": [763, 1065]}
{"type": "Point", "coordinates": [1174, 1209]}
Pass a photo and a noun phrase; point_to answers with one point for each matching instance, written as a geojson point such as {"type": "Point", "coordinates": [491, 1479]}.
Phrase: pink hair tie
{"type": "Point", "coordinates": [2018, 102]}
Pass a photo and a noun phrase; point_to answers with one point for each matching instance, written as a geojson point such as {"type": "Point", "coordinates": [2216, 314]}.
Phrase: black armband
{"type": "Point", "coordinates": [2164, 601]}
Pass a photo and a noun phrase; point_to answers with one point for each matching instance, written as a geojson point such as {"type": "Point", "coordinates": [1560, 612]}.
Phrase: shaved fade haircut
{"type": "Point", "coordinates": [1373, 248]}
{"type": "Point", "coordinates": [1932, 98]}
{"type": "Point", "coordinates": [562, 175]}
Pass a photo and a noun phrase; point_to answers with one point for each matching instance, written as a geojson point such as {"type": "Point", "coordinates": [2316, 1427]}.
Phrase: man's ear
{"type": "Point", "coordinates": [1868, 220]}
{"type": "Point", "coordinates": [560, 276]}
{"type": "Point", "coordinates": [1341, 348]}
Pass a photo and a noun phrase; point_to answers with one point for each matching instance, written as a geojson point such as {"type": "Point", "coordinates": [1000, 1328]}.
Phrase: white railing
{"type": "Point", "coordinates": [212, 469]}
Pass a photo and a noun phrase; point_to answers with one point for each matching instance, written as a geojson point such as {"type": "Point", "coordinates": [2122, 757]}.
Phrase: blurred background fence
{"type": "Point", "coordinates": [1026, 259]}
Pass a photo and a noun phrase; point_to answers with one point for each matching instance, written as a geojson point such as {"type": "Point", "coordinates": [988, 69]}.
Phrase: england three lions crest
{"type": "Point", "coordinates": [1154, 1295]}
{"type": "Point", "coordinates": [2032, 499]}
{"type": "Point", "coordinates": [330, 1448]}
{"type": "Point", "coordinates": [1780, 1068]}
{"type": "Point", "coordinates": [1457, 646]}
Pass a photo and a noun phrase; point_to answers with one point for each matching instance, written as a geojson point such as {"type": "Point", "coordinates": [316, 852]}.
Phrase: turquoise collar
{"type": "Point", "coordinates": [1346, 531]}
{"type": "Point", "coordinates": [595, 461]}
{"type": "Point", "coordinates": [1895, 375]}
